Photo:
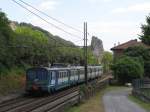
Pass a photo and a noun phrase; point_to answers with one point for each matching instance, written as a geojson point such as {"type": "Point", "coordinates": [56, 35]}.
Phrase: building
{"type": "Point", "coordinates": [119, 49]}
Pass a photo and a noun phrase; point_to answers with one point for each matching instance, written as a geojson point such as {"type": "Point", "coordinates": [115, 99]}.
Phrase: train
{"type": "Point", "coordinates": [51, 79]}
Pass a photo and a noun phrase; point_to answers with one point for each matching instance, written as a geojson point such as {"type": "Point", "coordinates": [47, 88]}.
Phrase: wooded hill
{"type": "Point", "coordinates": [24, 44]}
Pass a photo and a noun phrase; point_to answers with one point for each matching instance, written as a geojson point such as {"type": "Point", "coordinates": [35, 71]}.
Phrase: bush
{"type": "Point", "coordinates": [126, 69]}
{"type": "Point", "coordinates": [12, 80]}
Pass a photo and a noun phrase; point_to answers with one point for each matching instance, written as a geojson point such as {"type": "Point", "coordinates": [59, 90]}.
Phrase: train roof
{"type": "Point", "coordinates": [64, 68]}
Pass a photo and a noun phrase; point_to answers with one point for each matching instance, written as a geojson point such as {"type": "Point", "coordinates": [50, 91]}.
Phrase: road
{"type": "Point", "coordinates": [117, 101]}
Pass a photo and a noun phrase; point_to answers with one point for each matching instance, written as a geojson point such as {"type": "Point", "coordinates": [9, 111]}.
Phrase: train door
{"type": "Point", "coordinates": [53, 78]}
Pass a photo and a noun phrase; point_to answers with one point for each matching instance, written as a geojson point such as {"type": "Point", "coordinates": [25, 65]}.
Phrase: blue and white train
{"type": "Point", "coordinates": [52, 79]}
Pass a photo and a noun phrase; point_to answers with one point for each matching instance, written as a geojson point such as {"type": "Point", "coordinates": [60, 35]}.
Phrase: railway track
{"type": "Point", "coordinates": [49, 103]}
{"type": "Point", "coordinates": [14, 103]}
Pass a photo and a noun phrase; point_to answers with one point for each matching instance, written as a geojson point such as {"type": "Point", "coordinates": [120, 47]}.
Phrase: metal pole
{"type": "Point", "coordinates": [85, 52]}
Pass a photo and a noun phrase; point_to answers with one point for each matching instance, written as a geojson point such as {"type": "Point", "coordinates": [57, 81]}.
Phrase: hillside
{"type": "Point", "coordinates": [45, 47]}
{"type": "Point", "coordinates": [53, 38]}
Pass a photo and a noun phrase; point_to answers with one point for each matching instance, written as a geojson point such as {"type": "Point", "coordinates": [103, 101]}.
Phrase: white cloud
{"type": "Point", "coordinates": [44, 5]}
{"type": "Point", "coordinates": [48, 4]}
{"type": "Point", "coordinates": [96, 1]}
{"type": "Point", "coordinates": [93, 1]}
{"type": "Point", "coordinates": [144, 7]}
{"type": "Point", "coordinates": [107, 0]}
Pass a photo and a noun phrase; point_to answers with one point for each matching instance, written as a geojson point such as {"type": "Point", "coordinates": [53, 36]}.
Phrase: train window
{"type": "Point", "coordinates": [72, 73]}
{"type": "Point", "coordinates": [41, 74]}
{"type": "Point", "coordinates": [31, 74]}
{"type": "Point", "coordinates": [64, 74]}
{"type": "Point", "coordinates": [60, 74]}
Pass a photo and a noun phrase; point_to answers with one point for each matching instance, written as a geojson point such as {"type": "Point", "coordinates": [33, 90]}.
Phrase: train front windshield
{"type": "Point", "coordinates": [37, 75]}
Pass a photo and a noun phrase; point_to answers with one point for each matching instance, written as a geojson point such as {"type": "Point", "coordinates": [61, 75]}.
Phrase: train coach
{"type": "Point", "coordinates": [46, 79]}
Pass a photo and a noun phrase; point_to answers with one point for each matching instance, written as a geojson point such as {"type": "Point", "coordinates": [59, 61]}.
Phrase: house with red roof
{"type": "Point", "coordinates": [119, 50]}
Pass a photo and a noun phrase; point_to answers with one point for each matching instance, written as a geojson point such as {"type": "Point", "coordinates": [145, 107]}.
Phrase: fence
{"type": "Point", "coordinates": [141, 88]}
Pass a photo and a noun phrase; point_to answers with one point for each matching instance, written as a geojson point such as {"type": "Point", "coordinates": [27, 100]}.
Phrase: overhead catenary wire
{"type": "Point", "coordinates": [45, 20]}
{"type": "Point", "coordinates": [69, 26]}
{"type": "Point", "coordinates": [50, 24]}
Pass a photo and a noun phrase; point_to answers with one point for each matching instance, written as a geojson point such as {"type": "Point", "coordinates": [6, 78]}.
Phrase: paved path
{"type": "Point", "coordinates": [117, 101]}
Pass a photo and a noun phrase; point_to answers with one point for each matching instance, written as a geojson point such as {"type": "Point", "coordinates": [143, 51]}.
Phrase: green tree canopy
{"type": "Point", "coordinates": [143, 53]}
{"type": "Point", "coordinates": [6, 38]}
{"type": "Point", "coordinates": [127, 68]}
{"type": "Point", "coordinates": [145, 36]}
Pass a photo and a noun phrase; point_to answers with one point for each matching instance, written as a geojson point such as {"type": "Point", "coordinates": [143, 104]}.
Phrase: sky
{"type": "Point", "coordinates": [112, 21]}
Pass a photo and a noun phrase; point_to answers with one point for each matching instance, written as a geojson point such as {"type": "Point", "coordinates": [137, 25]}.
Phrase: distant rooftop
{"type": "Point", "coordinates": [125, 45]}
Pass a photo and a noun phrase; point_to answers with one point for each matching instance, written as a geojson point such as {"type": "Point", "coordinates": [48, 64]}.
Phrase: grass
{"type": "Point", "coordinates": [94, 104]}
{"type": "Point", "coordinates": [141, 103]}
{"type": "Point", "coordinates": [11, 80]}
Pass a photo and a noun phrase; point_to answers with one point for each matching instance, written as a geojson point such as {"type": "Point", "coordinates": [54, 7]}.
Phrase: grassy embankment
{"type": "Point", "coordinates": [94, 104]}
{"type": "Point", "coordinates": [140, 102]}
{"type": "Point", "coordinates": [11, 80]}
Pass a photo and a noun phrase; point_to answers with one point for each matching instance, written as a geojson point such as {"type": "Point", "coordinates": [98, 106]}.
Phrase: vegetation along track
{"type": "Point", "coordinates": [49, 103]}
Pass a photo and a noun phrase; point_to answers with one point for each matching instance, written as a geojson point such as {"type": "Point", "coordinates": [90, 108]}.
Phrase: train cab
{"type": "Point", "coordinates": [37, 79]}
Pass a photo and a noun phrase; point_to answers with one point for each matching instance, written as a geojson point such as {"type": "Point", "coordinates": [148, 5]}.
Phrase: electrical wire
{"type": "Point", "coordinates": [44, 19]}
{"type": "Point", "coordinates": [50, 16]}
{"type": "Point", "coordinates": [69, 26]}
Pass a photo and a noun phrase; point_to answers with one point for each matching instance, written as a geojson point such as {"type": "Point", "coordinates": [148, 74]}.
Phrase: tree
{"type": "Point", "coordinates": [145, 37]}
{"type": "Point", "coordinates": [6, 38]}
{"type": "Point", "coordinates": [30, 45]}
{"type": "Point", "coordinates": [92, 60]}
{"type": "Point", "coordinates": [143, 53]}
{"type": "Point", "coordinates": [4, 26]}
{"type": "Point", "coordinates": [126, 69]}
{"type": "Point", "coordinates": [106, 61]}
